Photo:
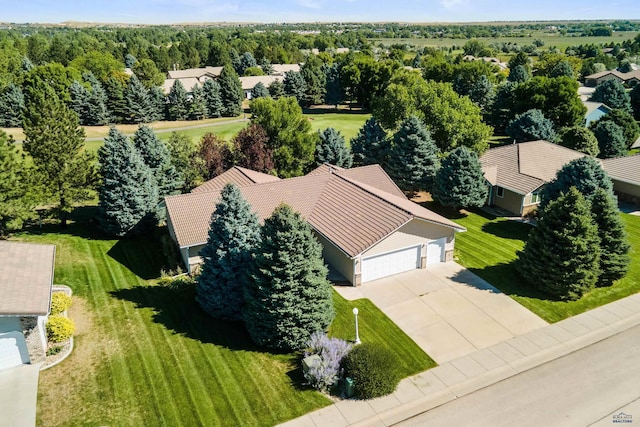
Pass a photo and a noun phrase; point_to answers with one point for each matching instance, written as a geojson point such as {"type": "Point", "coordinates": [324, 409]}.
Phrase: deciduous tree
{"type": "Point", "coordinates": [251, 149]}
{"type": "Point", "coordinates": [216, 154]}
{"type": "Point", "coordinates": [581, 139]}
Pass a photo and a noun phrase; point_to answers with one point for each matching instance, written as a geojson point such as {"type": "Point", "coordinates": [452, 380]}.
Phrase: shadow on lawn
{"type": "Point", "coordinates": [506, 278]}
{"type": "Point", "coordinates": [178, 311]}
{"type": "Point", "coordinates": [512, 230]}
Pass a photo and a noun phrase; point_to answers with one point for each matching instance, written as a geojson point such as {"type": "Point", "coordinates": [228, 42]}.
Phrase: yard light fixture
{"type": "Point", "coordinates": [355, 313]}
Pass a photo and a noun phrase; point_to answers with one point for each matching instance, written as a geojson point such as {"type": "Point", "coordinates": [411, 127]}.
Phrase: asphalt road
{"type": "Point", "coordinates": [591, 386]}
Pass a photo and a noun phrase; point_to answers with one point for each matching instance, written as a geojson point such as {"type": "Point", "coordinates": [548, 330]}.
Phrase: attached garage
{"type": "Point", "coordinates": [390, 263]}
{"type": "Point", "coordinates": [436, 251]}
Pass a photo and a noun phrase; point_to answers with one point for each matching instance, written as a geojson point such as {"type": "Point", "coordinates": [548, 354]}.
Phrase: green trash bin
{"type": "Point", "coordinates": [349, 387]}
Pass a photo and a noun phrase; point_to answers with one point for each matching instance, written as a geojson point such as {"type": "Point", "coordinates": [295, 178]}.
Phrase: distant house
{"type": "Point", "coordinates": [495, 61]}
{"type": "Point", "coordinates": [249, 82]}
{"type": "Point", "coordinates": [630, 79]}
{"type": "Point", "coordinates": [595, 110]}
{"type": "Point", "coordinates": [625, 174]}
{"type": "Point", "coordinates": [365, 223]}
{"type": "Point", "coordinates": [516, 173]}
{"type": "Point", "coordinates": [280, 69]}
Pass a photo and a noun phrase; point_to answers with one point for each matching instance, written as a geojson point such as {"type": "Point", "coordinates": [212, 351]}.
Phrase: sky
{"type": "Point", "coordinates": [275, 11]}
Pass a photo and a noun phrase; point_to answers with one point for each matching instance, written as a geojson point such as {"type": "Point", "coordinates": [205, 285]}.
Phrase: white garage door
{"type": "Point", "coordinates": [435, 251]}
{"type": "Point", "coordinates": [13, 350]}
{"type": "Point", "coordinates": [390, 263]}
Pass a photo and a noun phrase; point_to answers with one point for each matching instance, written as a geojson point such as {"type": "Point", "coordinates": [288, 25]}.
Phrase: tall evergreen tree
{"type": "Point", "coordinates": [198, 105]}
{"type": "Point", "coordinates": [413, 159]}
{"type": "Point", "coordinates": [55, 142]}
{"type": "Point", "coordinates": [314, 81]}
{"type": "Point", "coordinates": [370, 145]}
{"type": "Point", "coordinates": [16, 205]}
{"type": "Point", "coordinates": [11, 106]}
{"type": "Point", "coordinates": [630, 128]}
{"type": "Point", "coordinates": [531, 126]}
{"type": "Point", "coordinates": [156, 156]}
{"type": "Point", "coordinates": [246, 61]}
{"type": "Point", "coordinates": [610, 138]}
{"type": "Point", "coordinates": [138, 104]}
{"type": "Point", "coordinates": [158, 103]}
{"type": "Point", "coordinates": [128, 194]}
{"type": "Point", "coordinates": [288, 297]}
{"type": "Point", "coordinates": [634, 99]}
{"type": "Point", "coordinates": [230, 92]}
{"type": "Point", "coordinates": [251, 149]}
{"type": "Point", "coordinates": [333, 87]}
{"type": "Point", "coordinates": [519, 74]}
{"type": "Point", "coordinates": [178, 103]}
{"type": "Point", "coordinates": [295, 86]}
{"type": "Point", "coordinates": [97, 113]}
{"type": "Point", "coordinates": [614, 257]}
{"type": "Point", "coordinates": [79, 101]}
{"type": "Point", "coordinates": [259, 91]}
{"type": "Point", "coordinates": [332, 149]}
{"type": "Point", "coordinates": [276, 89]}
{"type": "Point", "coordinates": [581, 139]}
{"type": "Point", "coordinates": [562, 254]}
{"type": "Point", "coordinates": [212, 97]}
{"type": "Point", "coordinates": [584, 173]}
{"type": "Point", "coordinates": [460, 181]}
{"type": "Point", "coordinates": [234, 232]}
{"type": "Point", "coordinates": [613, 94]}
{"type": "Point", "coordinates": [116, 103]}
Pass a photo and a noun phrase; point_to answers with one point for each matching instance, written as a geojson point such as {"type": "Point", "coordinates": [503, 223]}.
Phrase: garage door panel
{"type": "Point", "coordinates": [390, 263]}
{"type": "Point", "coordinates": [435, 251]}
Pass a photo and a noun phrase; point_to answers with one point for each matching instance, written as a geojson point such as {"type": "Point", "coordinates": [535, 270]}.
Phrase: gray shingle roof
{"type": "Point", "coordinates": [26, 278]}
{"type": "Point", "coordinates": [625, 169]}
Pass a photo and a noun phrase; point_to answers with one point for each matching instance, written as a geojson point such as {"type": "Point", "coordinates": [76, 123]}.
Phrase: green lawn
{"type": "Point", "coordinates": [147, 354]}
{"type": "Point", "coordinates": [489, 247]}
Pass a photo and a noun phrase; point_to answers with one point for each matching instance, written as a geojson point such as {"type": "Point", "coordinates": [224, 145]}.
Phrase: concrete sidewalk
{"type": "Point", "coordinates": [480, 369]}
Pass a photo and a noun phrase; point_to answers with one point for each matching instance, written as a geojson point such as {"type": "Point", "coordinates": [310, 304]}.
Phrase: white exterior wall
{"type": "Point", "coordinates": [416, 232]}
{"type": "Point", "coordinates": [338, 259]}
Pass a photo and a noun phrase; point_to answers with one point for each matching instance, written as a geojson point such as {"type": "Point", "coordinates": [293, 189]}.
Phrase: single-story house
{"type": "Point", "coordinates": [625, 174]}
{"type": "Point", "coordinates": [516, 172]}
{"type": "Point", "coordinates": [365, 223]}
{"type": "Point", "coordinates": [585, 92]}
{"type": "Point", "coordinates": [631, 78]}
{"type": "Point", "coordinates": [280, 69]}
{"type": "Point", "coordinates": [197, 73]}
{"type": "Point", "coordinates": [595, 110]}
{"type": "Point", "coordinates": [495, 61]}
{"type": "Point", "coordinates": [249, 82]}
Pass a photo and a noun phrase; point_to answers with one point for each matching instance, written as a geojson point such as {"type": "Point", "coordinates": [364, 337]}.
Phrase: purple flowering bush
{"type": "Point", "coordinates": [331, 351]}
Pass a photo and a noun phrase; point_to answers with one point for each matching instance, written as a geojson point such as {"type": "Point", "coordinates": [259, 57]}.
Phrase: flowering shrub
{"type": "Point", "coordinates": [60, 328]}
{"type": "Point", "coordinates": [60, 302]}
{"type": "Point", "coordinates": [331, 351]}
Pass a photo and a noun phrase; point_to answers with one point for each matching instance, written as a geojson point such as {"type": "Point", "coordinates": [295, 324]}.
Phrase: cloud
{"type": "Point", "coordinates": [448, 4]}
{"type": "Point", "coordinates": [311, 4]}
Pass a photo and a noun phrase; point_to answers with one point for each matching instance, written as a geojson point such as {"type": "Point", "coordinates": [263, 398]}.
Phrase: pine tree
{"type": "Point", "coordinates": [230, 92]}
{"type": "Point", "coordinates": [531, 126]}
{"type": "Point", "coordinates": [128, 194]}
{"type": "Point", "coordinates": [413, 159]}
{"type": "Point", "coordinates": [276, 89]}
{"type": "Point", "coordinates": [634, 99]}
{"type": "Point", "coordinates": [610, 138]}
{"type": "Point", "coordinates": [314, 81]}
{"type": "Point", "coordinates": [295, 86]}
{"type": "Point", "coordinates": [584, 173]}
{"type": "Point", "coordinates": [562, 254]}
{"type": "Point", "coordinates": [55, 142]}
{"type": "Point", "coordinates": [138, 104]}
{"type": "Point", "coordinates": [198, 105]}
{"type": "Point", "coordinates": [158, 103]}
{"type": "Point", "coordinates": [79, 101]}
{"type": "Point", "coordinates": [519, 74]}
{"type": "Point", "coordinates": [613, 94]}
{"type": "Point", "coordinates": [178, 103]}
{"type": "Point", "coordinates": [460, 181]}
{"type": "Point", "coordinates": [251, 150]}
{"type": "Point", "coordinates": [116, 103]}
{"type": "Point", "coordinates": [259, 91]}
{"type": "Point", "coordinates": [614, 257]}
{"type": "Point", "coordinates": [156, 156]}
{"type": "Point", "coordinates": [371, 145]}
{"type": "Point", "coordinates": [332, 149]}
{"type": "Point", "coordinates": [11, 106]}
{"type": "Point", "coordinates": [16, 205]}
{"type": "Point", "coordinates": [234, 232]}
{"type": "Point", "coordinates": [97, 112]}
{"type": "Point", "coordinates": [333, 87]}
{"type": "Point", "coordinates": [212, 96]}
{"type": "Point", "coordinates": [288, 296]}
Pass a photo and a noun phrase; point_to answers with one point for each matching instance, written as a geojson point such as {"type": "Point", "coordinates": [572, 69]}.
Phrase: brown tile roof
{"type": "Point", "coordinates": [26, 278]}
{"type": "Point", "coordinates": [237, 175]}
{"type": "Point", "coordinates": [194, 73]}
{"type": "Point", "coordinates": [526, 166]}
{"type": "Point", "coordinates": [373, 175]}
{"type": "Point", "coordinates": [351, 214]}
{"type": "Point", "coordinates": [249, 82]}
{"type": "Point", "coordinates": [626, 169]}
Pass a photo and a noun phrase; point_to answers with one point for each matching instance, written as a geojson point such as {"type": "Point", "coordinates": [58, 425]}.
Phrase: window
{"type": "Point", "coordinates": [500, 192]}
{"type": "Point", "coordinates": [535, 198]}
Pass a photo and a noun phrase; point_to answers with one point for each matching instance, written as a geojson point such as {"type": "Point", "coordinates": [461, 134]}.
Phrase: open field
{"type": "Point", "coordinates": [489, 247]}
{"type": "Point", "coordinates": [550, 39]}
{"type": "Point", "coordinates": [147, 354]}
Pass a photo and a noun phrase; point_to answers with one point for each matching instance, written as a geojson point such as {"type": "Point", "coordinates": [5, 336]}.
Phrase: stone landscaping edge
{"type": "Point", "coordinates": [52, 361]}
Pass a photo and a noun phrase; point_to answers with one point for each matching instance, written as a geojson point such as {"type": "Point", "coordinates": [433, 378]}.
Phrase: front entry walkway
{"type": "Point", "coordinates": [447, 310]}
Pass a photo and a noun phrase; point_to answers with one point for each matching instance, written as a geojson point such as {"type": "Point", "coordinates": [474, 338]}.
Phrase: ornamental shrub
{"type": "Point", "coordinates": [331, 352]}
{"type": "Point", "coordinates": [60, 328]}
{"type": "Point", "coordinates": [60, 302]}
{"type": "Point", "coordinates": [373, 370]}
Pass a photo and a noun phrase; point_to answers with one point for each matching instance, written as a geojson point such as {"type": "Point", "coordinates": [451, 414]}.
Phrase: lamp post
{"type": "Point", "coordinates": [355, 313]}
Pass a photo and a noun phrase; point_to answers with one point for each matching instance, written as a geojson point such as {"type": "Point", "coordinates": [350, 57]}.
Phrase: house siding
{"type": "Point", "coordinates": [336, 258]}
{"type": "Point", "coordinates": [510, 201]}
{"type": "Point", "coordinates": [626, 188]}
{"type": "Point", "coordinates": [194, 259]}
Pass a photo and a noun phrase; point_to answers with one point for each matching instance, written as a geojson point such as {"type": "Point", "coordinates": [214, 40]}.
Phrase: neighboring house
{"type": "Point", "coordinates": [280, 69]}
{"type": "Point", "coordinates": [595, 110]}
{"type": "Point", "coordinates": [26, 281]}
{"type": "Point", "coordinates": [249, 82]}
{"type": "Point", "coordinates": [495, 61]}
{"type": "Point", "coordinates": [625, 174]}
{"type": "Point", "coordinates": [365, 223]}
{"type": "Point", "coordinates": [197, 73]}
{"type": "Point", "coordinates": [517, 172]}
{"type": "Point", "coordinates": [585, 92]}
{"type": "Point", "coordinates": [631, 78]}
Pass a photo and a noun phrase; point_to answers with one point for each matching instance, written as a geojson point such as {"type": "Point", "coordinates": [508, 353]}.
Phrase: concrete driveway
{"type": "Point", "coordinates": [447, 310]}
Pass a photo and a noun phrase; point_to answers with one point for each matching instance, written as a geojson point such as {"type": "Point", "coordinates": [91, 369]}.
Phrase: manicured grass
{"type": "Point", "coordinates": [347, 123]}
{"type": "Point", "coordinates": [489, 247]}
{"type": "Point", "coordinates": [147, 354]}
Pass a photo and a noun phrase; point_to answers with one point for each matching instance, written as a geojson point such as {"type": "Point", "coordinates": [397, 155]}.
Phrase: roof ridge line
{"type": "Point", "coordinates": [360, 184]}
